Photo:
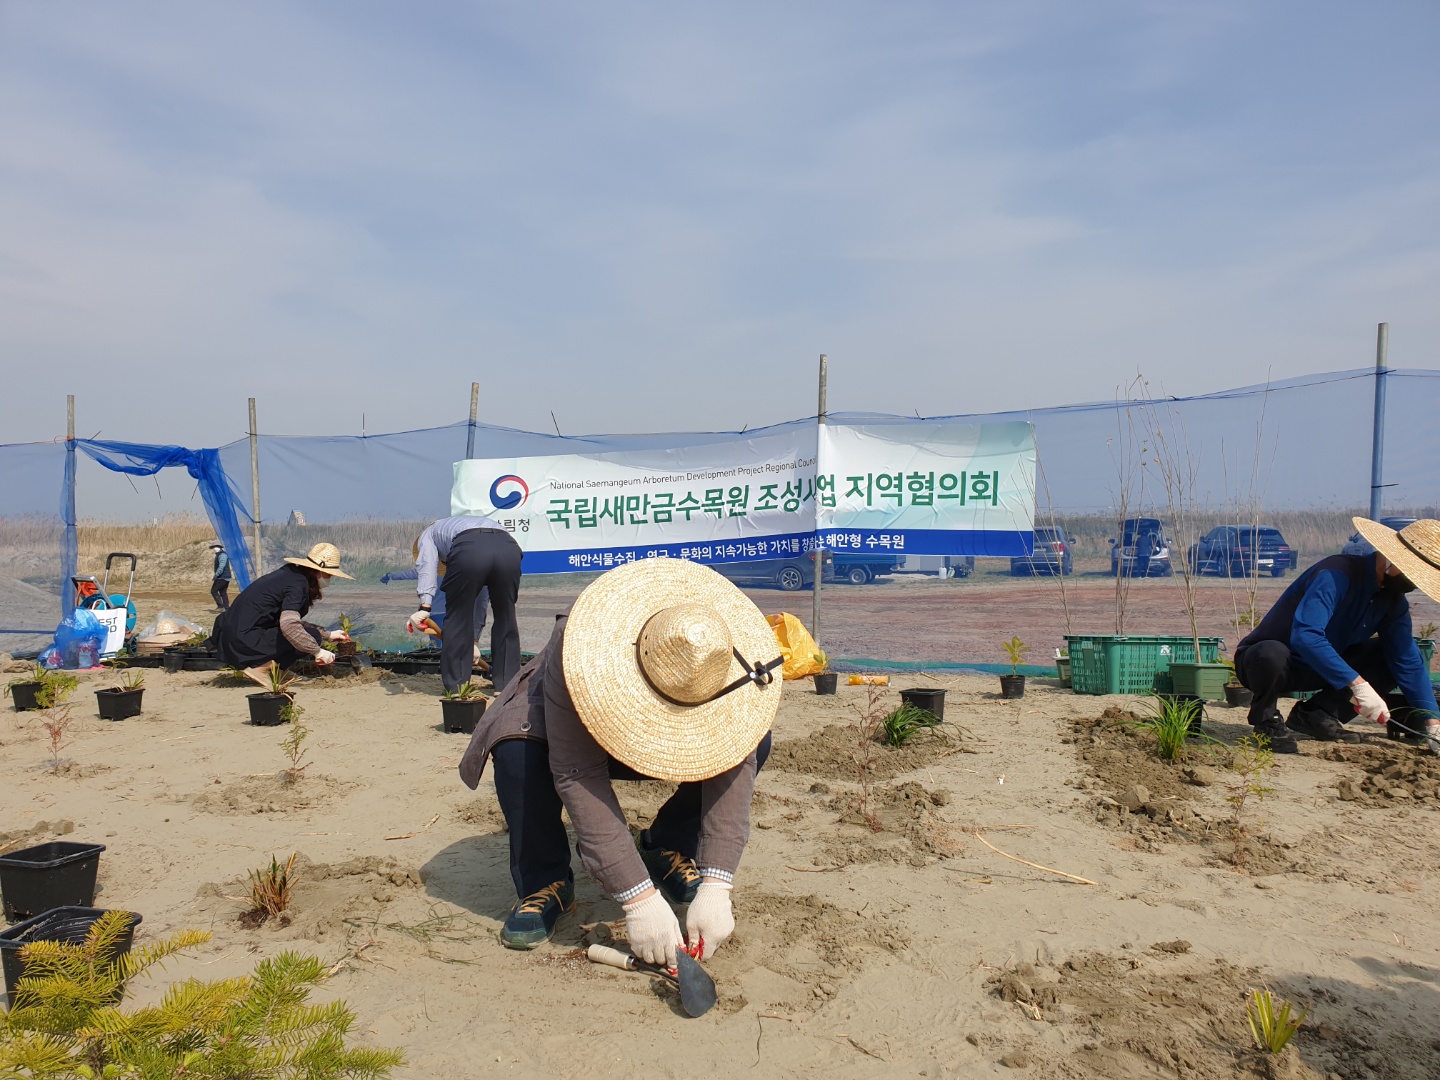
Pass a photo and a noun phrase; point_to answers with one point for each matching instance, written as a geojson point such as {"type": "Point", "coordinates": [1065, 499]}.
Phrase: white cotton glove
{"type": "Point", "coordinates": [1432, 735]}
{"type": "Point", "coordinates": [1367, 702]}
{"type": "Point", "coordinates": [416, 623]}
{"type": "Point", "coordinates": [710, 920]}
{"type": "Point", "coordinates": [475, 654]}
{"type": "Point", "coordinates": [324, 656]}
{"type": "Point", "coordinates": [339, 635]}
{"type": "Point", "coordinates": [653, 930]}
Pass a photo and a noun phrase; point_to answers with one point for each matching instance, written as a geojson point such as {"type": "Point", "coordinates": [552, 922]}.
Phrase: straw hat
{"type": "Point", "coordinates": [671, 668]}
{"type": "Point", "coordinates": [1415, 549]}
{"type": "Point", "coordinates": [325, 558]}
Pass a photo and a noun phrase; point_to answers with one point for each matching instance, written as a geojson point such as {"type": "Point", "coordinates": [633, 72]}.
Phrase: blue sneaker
{"type": "Point", "coordinates": [532, 920]}
{"type": "Point", "coordinates": [673, 874]}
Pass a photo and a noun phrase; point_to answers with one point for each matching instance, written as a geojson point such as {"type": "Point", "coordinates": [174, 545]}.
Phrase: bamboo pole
{"type": "Point", "coordinates": [255, 489]}
{"type": "Point", "coordinates": [819, 551]}
{"type": "Point", "coordinates": [1377, 435]}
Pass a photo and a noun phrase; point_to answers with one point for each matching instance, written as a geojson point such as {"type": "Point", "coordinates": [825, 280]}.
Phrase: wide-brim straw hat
{"type": "Point", "coordinates": [1415, 549]}
{"type": "Point", "coordinates": [325, 558]}
{"type": "Point", "coordinates": [688, 622]}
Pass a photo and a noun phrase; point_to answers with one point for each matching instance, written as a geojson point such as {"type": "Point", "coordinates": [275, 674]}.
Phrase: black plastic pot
{"type": "Point", "coordinates": [932, 701]}
{"type": "Point", "coordinates": [47, 876]}
{"type": "Point", "coordinates": [825, 682]}
{"type": "Point", "coordinates": [174, 661]}
{"type": "Point", "coordinates": [1012, 686]}
{"type": "Point", "coordinates": [64, 924]}
{"type": "Point", "coordinates": [268, 710]}
{"type": "Point", "coordinates": [117, 703]}
{"type": "Point", "coordinates": [462, 716]}
{"type": "Point", "coordinates": [1236, 694]}
{"type": "Point", "coordinates": [25, 695]}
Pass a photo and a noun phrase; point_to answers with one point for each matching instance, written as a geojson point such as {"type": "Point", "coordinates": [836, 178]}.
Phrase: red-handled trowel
{"type": "Point", "coordinates": [697, 989]}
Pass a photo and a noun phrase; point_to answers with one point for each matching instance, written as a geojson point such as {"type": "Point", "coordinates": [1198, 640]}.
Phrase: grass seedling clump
{"type": "Point", "coordinates": [466, 691]}
{"type": "Point", "coordinates": [1170, 721]}
{"type": "Point", "coordinates": [902, 725]}
{"type": "Point", "coordinates": [270, 888]}
{"type": "Point", "coordinates": [1272, 1027]}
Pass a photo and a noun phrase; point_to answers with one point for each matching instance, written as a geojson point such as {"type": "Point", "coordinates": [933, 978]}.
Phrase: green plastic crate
{"type": "Point", "coordinates": [1132, 663]}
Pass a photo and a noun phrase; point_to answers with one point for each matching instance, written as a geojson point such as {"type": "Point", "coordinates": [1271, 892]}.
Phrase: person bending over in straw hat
{"type": "Point", "coordinates": [265, 626]}
{"type": "Point", "coordinates": [662, 670]}
{"type": "Point", "coordinates": [473, 552]}
{"type": "Point", "coordinates": [1343, 628]}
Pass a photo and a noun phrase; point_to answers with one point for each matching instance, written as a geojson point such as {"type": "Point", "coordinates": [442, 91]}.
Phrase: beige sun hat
{"type": "Point", "coordinates": [325, 558]}
{"type": "Point", "coordinates": [1415, 549]}
{"type": "Point", "coordinates": [671, 669]}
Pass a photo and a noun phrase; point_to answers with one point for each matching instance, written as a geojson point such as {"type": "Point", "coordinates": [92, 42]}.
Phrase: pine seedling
{"type": "Point", "coordinates": [1272, 1027]}
{"type": "Point", "coordinates": [270, 888]}
{"type": "Point", "coordinates": [294, 745]}
{"type": "Point", "coordinates": [67, 1022]}
{"type": "Point", "coordinates": [902, 725]}
{"type": "Point", "coordinates": [1252, 759]}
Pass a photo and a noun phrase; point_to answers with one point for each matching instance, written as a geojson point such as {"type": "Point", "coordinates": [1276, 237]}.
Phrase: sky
{"type": "Point", "coordinates": [647, 217]}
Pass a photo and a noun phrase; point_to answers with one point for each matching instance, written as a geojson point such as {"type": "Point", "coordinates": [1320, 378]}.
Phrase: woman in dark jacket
{"type": "Point", "coordinates": [264, 625]}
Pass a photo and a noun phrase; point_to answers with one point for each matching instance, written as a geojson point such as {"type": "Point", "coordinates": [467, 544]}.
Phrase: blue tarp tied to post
{"type": "Point", "coordinates": [223, 505]}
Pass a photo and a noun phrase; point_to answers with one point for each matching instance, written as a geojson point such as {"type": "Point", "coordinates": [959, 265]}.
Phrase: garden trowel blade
{"type": "Point", "coordinates": [697, 989]}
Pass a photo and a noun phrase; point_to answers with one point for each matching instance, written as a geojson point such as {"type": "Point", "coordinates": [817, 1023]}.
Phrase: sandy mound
{"type": "Point", "coordinates": [832, 751]}
{"type": "Point", "coordinates": [272, 794]}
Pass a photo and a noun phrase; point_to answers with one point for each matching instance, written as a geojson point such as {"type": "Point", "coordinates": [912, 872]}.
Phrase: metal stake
{"type": "Point", "coordinates": [1377, 444]}
{"type": "Point", "coordinates": [819, 551]}
{"type": "Point", "coordinates": [255, 489]}
{"type": "Point", "coordinates": [474, 411]}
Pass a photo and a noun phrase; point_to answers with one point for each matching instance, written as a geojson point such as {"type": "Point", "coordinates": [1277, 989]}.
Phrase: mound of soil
{"type": "Point", "coordinates": [1392, 776]}
{"type": "Point", "coordinates": [271, 794]}
{"type": "Point", "coordinates": [831, 753]}
{"type": "Point", "coordinates": [326, 896]}
{"type": "Point", "coordinates": [1158, 802]}
{"type": "Point", "coordinates": [903, 826]}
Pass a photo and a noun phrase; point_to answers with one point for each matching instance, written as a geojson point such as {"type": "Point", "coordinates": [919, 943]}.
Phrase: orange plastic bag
{"type": "Point", "coordinates": [868, 680]}
{"type": "Point", "coordinates": [803, 657]}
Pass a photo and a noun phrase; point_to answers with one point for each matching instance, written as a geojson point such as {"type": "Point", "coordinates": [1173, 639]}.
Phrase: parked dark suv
{"type": "Point", "coordinates": [1242, 550]}
{"type": "Point", "coordinates": [792, 574]}
{"type": "Point", "coordinates": [1054, 554]}
{"type": "Point", "coordinates": [1142, 550]}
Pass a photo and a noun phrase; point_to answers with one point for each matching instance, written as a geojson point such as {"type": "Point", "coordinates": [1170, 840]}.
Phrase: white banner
{"type": "Point", "coordinates": [927, 488]}
{"type": "Point", "coordinates": [743, 498]}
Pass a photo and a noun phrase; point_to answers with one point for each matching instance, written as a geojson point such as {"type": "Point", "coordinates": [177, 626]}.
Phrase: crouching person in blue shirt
{"type": "Point", "coordinates": [1343, 629]}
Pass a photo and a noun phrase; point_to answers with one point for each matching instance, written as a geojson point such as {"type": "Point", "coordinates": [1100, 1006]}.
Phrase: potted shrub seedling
{"type": "Point", "coordinates": [461, 708]}
{"type": "Point", "coordinates": [121, 701]}
{"type": "Point", "coordinates": [1236, 693]}
{"type": "Point", "coordinates": [825, 679]}
{"type": "Point", "coordinates": [1013, 685]}
{"type": "Point", "coordinates": [271, 707]}
{"type": "Point", "coordinates": [40, 689]}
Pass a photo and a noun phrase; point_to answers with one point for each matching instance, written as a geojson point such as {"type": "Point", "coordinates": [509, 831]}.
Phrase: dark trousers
{"type": "Point", "coordinates": [480, 558]}
{"type": "Point", "coordinates": [539, 847]}
{"type": "Point", "coordinates": [1269, 669]}
{"type": "Point", "coordinates": [220, 593]}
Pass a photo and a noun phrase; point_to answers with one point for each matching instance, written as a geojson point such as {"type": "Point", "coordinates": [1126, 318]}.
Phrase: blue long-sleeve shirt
{"type": "Point", "coordinates": [435, 544]}
{"type": "Point", "coordinates": [1336, 604]}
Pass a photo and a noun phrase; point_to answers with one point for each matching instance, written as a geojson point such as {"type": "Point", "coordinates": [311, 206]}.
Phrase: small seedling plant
{"type": "Point", "coordinates": [1170, 722]}
{"type": "Point", "coordinates": [130, 680]}
{"type": "Point", "coordinates": [822, 659]}
{"type": "Point", "coordinates": [1272, 1026]}
{"type": "Point", "coordinates": [466, 691]}
{"type": "Point", "coordinates": [270, 888]}
{"type": "Point", "coordinates": [66, 1021]}
{"type": "Point", "coordinates": [866, 728]}
{"type": "Point", "coordinates": [279, 680]}
{"type": "Point", "coordinates": [1015, 651]}
{"type": "Point", "coordinates": [294, 743]}
{"type": "Point", "coordinates": [56, 723]}
{"type": "Point", "coordinates": [906, 722]}
{"type": "Point", "coordinates": [1251, 759]}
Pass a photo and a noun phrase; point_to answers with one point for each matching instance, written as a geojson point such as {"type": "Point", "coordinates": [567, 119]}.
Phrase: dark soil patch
{"type": "Point", "coordinates": [1391, 776]}
{"type": "Point", "coordinates": [831, 753]}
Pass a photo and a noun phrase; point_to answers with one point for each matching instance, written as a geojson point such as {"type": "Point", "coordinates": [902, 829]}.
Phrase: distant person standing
{"type": "Point", "coordinates": [220, 578]}
{"type": "Point", "coordinates": [474, 552]}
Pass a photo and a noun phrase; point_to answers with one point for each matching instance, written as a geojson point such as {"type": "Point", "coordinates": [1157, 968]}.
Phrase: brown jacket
{"type": "Point", "coordinates": [536, 704]}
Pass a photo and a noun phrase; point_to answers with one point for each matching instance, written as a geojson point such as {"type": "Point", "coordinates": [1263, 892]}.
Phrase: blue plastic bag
{"type": "Point", "coordinates": [79, 638]}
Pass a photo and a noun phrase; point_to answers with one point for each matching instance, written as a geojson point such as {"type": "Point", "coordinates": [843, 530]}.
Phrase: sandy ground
{"type": "Point", "coordinates": [910, 951]}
